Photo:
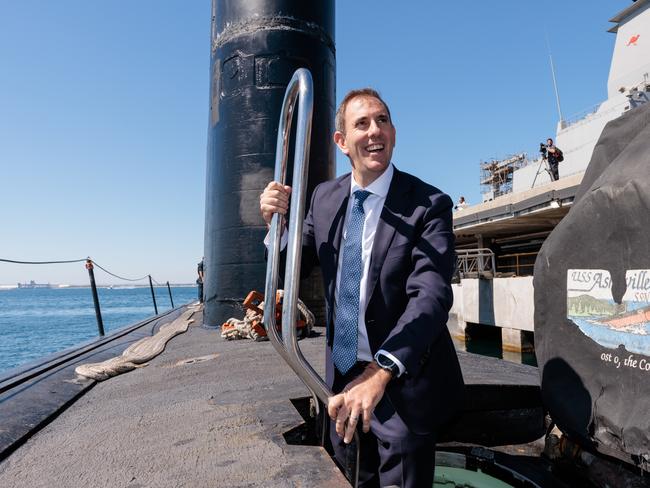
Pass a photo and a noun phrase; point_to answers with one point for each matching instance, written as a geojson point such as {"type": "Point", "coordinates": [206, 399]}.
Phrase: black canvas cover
{"type": "Point", "coordinates": [592, 300]}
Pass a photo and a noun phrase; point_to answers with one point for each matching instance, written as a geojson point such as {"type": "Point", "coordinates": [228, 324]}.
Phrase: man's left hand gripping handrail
{"type": "Point", "coordinates": [300, 86]}
{"type": "Point", "coordinates": [300, 89]}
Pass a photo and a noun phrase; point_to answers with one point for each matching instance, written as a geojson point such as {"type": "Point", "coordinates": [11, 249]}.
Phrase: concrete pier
{"type": "Point", "coordinates": [506, 303]}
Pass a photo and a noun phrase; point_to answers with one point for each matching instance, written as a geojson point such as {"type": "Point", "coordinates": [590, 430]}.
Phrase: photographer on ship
{"type": "Point", "coordinates": [553, 155]}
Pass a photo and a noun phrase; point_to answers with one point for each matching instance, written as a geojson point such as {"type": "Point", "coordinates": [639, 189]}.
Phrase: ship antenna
{"type": "Point", "coordinates": [557, 93]}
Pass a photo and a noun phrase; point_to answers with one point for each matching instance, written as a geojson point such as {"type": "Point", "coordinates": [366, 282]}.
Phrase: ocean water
{"type": "Point", "coordinates": [37, 322]}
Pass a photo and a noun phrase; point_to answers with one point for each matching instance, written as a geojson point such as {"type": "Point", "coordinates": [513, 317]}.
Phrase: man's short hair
{"type": "Point", "coordinates": [362, 92]}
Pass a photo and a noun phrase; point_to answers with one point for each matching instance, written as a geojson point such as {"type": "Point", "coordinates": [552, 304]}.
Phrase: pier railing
{"type": "Point", "coordinates": [475, 262]}
{"type": "Point", "coordinates": [521, 264]}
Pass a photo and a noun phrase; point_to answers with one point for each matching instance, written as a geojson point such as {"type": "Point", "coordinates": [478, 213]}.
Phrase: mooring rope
{"type": "Point", "coordinates": [249, 328]}
{"type": "Point", "coordinates": [140, 352]}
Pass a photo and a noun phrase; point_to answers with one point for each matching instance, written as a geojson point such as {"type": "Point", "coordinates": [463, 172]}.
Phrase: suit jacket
{"type": "Point", "coordinates": [409, 290]}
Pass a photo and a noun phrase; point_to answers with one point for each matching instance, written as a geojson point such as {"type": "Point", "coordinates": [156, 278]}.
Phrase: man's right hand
{"type": "Point", "coordinates": [274, 199]}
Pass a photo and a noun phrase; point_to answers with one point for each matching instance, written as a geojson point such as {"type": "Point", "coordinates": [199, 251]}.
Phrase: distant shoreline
{"type": "Point", "coordinates": [58, 286]}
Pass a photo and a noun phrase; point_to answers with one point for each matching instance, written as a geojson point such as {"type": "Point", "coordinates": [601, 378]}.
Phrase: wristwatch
{"type": "Point", "coordinates": [388, 364]}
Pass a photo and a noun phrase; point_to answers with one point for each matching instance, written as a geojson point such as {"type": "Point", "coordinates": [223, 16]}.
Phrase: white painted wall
{"type": "Point", "coordinates": [631, 59]}
{"type": "Point", "coordinates": [523, 178]}
{"type": "Point", "coordinates": [500, 302]}
{"type": "Point", "coordinates": [577, 141]}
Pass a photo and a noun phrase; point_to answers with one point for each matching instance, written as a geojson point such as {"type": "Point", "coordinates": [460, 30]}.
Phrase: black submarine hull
{"type": "Point", "coordinates": [255, 48]}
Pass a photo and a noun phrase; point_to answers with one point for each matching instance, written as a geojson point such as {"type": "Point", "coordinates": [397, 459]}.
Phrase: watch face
{"type": "Point", "coordinates": [387, 363]}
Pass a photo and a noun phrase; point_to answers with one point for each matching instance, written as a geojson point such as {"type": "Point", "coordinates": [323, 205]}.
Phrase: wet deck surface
{"type": "Point", "coordinates": [205, 413]}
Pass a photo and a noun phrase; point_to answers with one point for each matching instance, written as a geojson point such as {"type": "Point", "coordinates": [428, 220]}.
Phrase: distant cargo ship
{"type": "Point", "coordinates": [33, 284]}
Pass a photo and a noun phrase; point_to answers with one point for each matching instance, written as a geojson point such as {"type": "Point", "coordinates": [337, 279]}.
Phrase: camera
{"type": "Point", "coordinates": [542, 149]}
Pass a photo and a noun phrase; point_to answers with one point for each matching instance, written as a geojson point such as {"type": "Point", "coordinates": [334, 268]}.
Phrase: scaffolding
{"type": "Point", "coordinates": [496, 175]}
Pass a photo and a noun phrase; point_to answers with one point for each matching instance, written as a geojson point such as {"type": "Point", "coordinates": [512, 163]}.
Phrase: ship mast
{"type": "Point", "coordinates": [557, 93]}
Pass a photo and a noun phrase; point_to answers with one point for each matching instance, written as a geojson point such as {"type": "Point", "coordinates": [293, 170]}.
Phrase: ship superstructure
{"type": "Point", "coordinates": [499, 239]}
{"type": "Point", "coordinates": [521, 204]}
{"type": "Point", "coordinates": [628, 86]}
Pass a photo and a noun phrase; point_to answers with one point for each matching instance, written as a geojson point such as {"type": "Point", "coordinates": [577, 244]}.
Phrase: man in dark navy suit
{"type": "Point", "coordinates": [385, 245]}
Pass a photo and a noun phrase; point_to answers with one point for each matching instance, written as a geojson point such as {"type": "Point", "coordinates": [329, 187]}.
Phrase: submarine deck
{"type": "Point", "coordinates": [207, 412]}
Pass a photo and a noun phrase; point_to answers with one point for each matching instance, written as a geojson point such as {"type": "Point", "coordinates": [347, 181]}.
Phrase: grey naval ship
{"type": "Point", "coordinates": [498, 240]}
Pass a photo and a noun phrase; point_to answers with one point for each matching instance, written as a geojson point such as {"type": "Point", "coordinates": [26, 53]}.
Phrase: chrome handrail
{"type": "Point", "coordinates": [300, 88]}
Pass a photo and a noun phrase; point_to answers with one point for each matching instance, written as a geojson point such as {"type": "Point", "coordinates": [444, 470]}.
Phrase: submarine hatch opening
{"type": "Point", "coordinates": [459, 466]}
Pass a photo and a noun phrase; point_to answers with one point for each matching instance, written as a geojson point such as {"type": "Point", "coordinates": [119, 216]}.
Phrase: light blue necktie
{"type": "Point", "coordinates": [346, 325]}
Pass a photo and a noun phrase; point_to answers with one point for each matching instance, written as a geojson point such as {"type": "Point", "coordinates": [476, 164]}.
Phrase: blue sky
{"type": "Point", "coordinates": [104, 110]}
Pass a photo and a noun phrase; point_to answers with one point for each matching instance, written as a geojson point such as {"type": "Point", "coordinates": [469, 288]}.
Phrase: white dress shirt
{"type": "Point", "coordinates": [372, 207]}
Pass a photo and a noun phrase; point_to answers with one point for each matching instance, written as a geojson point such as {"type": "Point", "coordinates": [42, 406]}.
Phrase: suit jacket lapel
{"type": "Point", "coordinates": [392, 212]}
{"type": "Point", "coordinates": [336, 218]}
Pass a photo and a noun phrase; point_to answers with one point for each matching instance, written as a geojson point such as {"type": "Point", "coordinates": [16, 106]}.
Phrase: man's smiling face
{"type": "Point", "coordinates": [368, 139]}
